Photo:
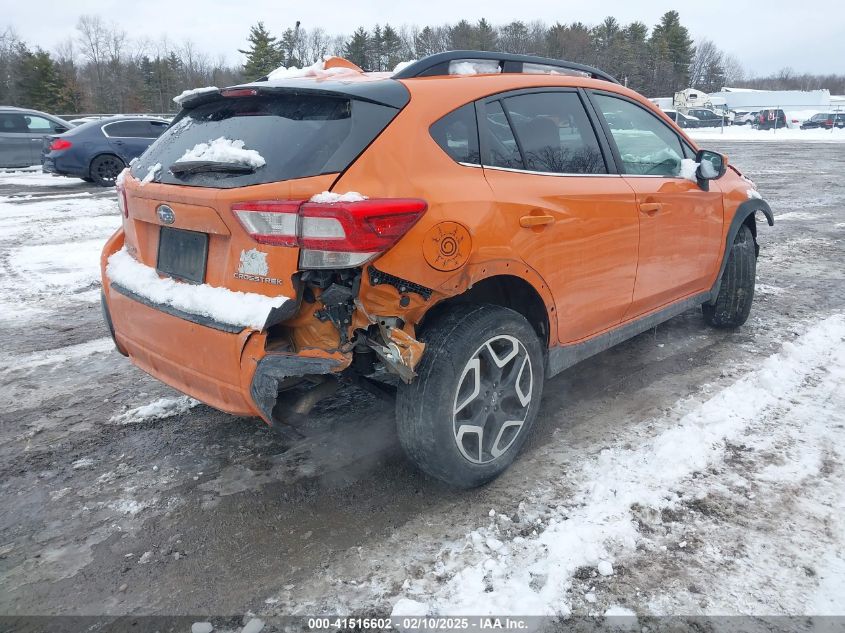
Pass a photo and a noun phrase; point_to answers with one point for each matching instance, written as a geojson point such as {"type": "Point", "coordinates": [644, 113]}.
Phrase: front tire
{"type": "Point", "coordinates": [105, 168]}
{"type": "Point", "coordinates": [736, 293]}
{"type": "Point", "coordinates": [471, 407]}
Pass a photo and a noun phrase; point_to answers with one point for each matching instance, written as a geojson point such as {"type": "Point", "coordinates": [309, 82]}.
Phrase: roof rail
{"type": "Point", "coordinates": [438, 64]}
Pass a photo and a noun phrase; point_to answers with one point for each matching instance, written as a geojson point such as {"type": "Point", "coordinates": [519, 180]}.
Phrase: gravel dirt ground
{"type": "Point", "coordinates": [180, 509]}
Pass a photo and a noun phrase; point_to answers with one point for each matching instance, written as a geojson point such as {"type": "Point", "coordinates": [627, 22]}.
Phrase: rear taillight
{"type": "Point", "coordinates": [336, 235]}
{"type": "Point", "coordinates": [60, 144]}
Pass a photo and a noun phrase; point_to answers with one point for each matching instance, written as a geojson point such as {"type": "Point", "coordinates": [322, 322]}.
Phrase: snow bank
{"type": "Point", "coordinates": [594, 522]}
{"type": "Point", "coordinates": [35, 177]}
{"type": "Point", "coordinates": [747, 133]}
{"type": "Point", "coordinates": [329, 197]}
{"type": "Point", "coordinates": [53, 357]}
{"type": "Point", "coordinates": [187, 94]}
{"type": "Point", "coordinates": [242, 309]}
{"type": "Point", "coordinates": [316, 70]}
{"type": "Point", "coordinates": [223, 150]}
{"type": "Point", "coordinates": [158, 410]}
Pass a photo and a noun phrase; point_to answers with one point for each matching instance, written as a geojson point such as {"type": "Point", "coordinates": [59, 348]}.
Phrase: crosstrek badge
{"type": "Point", "coordinates": [253, 267]}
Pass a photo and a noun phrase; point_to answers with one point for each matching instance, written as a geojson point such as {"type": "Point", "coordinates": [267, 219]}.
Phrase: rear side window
{"type": "Point", "coordinates": [555, 134]}
{"type": "Point", "coordinates": [129, 129]}
{"type": "Point", "coordinates": [297, 135]}
{"type": "Point", "coordinates": [502, 150]}
{"type": "Point", "coordinates": [457, 134]}
{"type": "Point", "coordinates": [156, 128]}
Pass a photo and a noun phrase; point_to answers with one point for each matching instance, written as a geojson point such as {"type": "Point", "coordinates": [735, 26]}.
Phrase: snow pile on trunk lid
{"type": "Point", "coordinates": [223, 150]}
{"type": "Point", "coordinates": [187, 94]}
{"type": "Point", "coordinates": [317, 70]}
{"type": "Point", "coordinates": [242, 309]}
{"type": "Point", "coordinates": [329, 197]}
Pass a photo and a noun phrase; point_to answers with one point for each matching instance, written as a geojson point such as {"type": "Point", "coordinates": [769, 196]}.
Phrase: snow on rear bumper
{"type": "Point", "coordinates": [224, 309]}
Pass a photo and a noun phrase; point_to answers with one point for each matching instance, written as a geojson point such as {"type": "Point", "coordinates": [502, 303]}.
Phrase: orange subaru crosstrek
{"type": "Point", "coordinates": [449, 235]}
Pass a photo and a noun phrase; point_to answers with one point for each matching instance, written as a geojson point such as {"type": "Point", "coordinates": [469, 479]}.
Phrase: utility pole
{"type": "Point", "coordinates": [293, 42]}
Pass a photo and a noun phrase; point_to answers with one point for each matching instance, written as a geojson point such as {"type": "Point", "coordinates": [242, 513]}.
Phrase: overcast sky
{"type": "Point", "coordinates": [766, 35]}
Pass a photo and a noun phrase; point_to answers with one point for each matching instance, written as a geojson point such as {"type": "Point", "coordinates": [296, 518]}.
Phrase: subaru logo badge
{"type": "Point", "coordinates": [165, 214]}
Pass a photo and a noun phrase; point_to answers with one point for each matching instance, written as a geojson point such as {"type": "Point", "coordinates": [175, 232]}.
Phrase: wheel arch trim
{"type": "Point", "coordinates": [745, 215]}
{"type": "Point", "coordinates": [505, 269]}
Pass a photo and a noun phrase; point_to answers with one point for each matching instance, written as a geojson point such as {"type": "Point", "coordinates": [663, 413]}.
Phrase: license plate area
{"type": "Point", "coordinates": [182, 254]}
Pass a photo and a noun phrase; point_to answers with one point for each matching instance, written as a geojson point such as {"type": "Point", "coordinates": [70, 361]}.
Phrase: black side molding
{"type": "Point", "coordinates": [565, 356]}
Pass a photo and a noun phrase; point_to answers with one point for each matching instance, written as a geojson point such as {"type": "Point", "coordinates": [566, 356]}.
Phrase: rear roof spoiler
{"type": "Point", "coordinates": [438, 64]}
{"type": "Point", "coordinates": [383, 92]}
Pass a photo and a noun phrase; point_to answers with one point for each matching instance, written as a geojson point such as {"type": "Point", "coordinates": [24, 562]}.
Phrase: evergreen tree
{"type": "Point", "coordinates": [357, 49]}
{"type": "Point", "coordinates": [633, 71]}
{"type": "Point", "coordinates": [288, 46]}
{"type": "Point", "coordinates": [461, 36]}
{"type": "Point", "coordinates": [39, 84]}
{"type": "Point", "coordinates": [375, 55]}
{"type": "Point", "coordinates": [485, 36]}
{"type": "Point", "coordinates": [426, 42]}
{"type": "Point", "coordinates": [672, 50]}
{"type": "Point", "coordinates": [391, 45]}
{"type": "Point", "coordinates": [263, 54]}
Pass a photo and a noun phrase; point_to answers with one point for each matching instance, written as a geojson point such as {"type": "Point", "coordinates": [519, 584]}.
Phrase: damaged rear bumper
{"type": "Point", "coordinates": [227, 368]}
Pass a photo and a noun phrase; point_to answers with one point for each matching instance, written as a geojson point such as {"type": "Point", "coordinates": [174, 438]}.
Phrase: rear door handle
{"type": "Point", "coordinates": [651, 208]}
{"type": "Point", "coordinates": [527, 221]}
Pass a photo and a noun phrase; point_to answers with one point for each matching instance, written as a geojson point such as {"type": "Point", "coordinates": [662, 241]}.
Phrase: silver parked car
{"type": "Point", "coordinates": [21, 134]}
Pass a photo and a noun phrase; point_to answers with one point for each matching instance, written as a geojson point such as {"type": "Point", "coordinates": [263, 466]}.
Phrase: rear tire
{"type": "Point", "coordinates": [105, 168]}
{"type": "Point", "coordinates": [471, 407]}
{"type": "Point", "coordinates": [736, 293]}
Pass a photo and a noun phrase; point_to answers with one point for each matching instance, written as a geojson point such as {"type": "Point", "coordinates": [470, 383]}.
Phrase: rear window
{"type": "Point", "coordinates": [457, 134]}
{"type": "Point", "coordinates": [297, 136]}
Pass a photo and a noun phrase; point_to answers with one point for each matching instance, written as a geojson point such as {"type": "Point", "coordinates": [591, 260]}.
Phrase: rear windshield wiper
{"type": "Point", "coordinates": [196, 166]}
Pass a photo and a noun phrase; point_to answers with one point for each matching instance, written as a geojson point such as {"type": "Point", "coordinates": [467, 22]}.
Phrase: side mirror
{"type": "Point", "coordinates": [711, 166]}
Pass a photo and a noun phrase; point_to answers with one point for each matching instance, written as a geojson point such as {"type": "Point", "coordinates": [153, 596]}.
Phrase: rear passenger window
{"type": "Point", "coordinates": [502, 150]}
{"type": "Point", "coordinates": [129, 129]}
{"type": "Point", "coordinates": [457, 134]}
{"type": "Point", "coordinates": [555, 134]}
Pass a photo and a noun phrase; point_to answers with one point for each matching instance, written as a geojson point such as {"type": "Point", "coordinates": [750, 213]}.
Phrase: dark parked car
{"type": "Point", "coordinates": [21, 134]}
{"type": "Point", "coordinates": [770, 119]}
{"type": "Point", "coordinates": [683, 120]}
{"type": "Point", "coordinates": [815, 121]}
{"type": "Point", "coordinates": [708, 118]}
{"type": "Point", "coordinates": [834, 120]}
{"type": "Point", "coordinates": [99, 150]}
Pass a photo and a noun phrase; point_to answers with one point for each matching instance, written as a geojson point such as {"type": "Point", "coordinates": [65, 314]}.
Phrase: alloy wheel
{"type": "Point", "coordinates": [492, 399]}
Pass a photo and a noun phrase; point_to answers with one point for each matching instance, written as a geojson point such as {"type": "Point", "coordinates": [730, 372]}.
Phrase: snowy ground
{"type": "Point", "coordinates": [687, 471]}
